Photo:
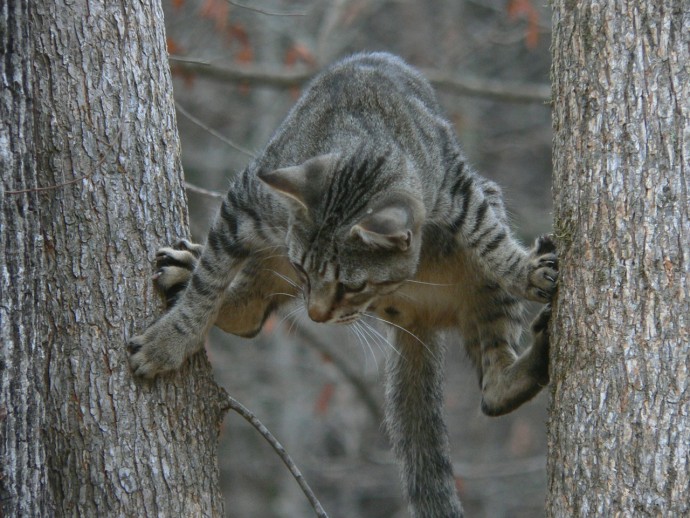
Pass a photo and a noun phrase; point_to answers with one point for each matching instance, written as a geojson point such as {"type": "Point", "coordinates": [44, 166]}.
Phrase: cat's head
{"type": "Point", "coordinates": [354, 231]}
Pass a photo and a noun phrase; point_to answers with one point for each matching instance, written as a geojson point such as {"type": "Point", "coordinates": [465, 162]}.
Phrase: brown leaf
{"type": "Point", "coordinates": [525, 10]}
{"type": "Point", "coordinates": [216, 10]}
{"type": "Point", "coordinates": [324, 399]}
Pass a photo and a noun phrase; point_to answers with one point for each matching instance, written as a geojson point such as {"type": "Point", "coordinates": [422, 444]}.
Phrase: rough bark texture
{"type": "Point", "coordinates": [91, 184]}
{"type": "Point", "coordinates": [620, 420]}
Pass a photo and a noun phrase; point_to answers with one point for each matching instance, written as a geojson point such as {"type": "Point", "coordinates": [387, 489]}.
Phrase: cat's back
{"type": "Point", "coordinates": [360, 76]}
{"type": "Point", "coordinates": [375, 97]}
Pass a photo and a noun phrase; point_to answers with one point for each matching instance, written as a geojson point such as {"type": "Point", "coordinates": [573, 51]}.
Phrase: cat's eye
{"type": "Point", "coordinates": [351, 289]}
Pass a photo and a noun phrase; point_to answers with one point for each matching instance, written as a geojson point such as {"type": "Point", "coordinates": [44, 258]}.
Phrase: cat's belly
{"type": "Point", "coordinates": [422, 306]}
{"type": "Point", "coordinates": [438, 297]}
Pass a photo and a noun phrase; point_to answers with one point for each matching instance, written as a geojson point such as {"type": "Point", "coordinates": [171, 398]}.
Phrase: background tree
{"type": "Point", "coordinates": [620, 419]}
{"type": "Point", "coordinates": [91, 184]}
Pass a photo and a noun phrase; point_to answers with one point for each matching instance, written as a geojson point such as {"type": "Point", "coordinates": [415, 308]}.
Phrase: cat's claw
{"type": "Point", "coordinates": [542, 275]}
{"type": "Point", "coordinates": [174, 266]}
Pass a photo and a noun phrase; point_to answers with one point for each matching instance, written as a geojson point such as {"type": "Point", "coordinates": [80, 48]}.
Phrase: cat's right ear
{"type": "Point", "coordinates": [301, 184]}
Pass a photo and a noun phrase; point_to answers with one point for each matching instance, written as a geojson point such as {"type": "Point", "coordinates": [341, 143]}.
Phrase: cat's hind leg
{"type": "Point", "coordinates": [508, 379]}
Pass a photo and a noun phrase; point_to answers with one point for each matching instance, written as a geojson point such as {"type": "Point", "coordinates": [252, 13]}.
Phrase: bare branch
{"type": "Point", "coordinates": [497, 90]}
{"type": "Point", "coordinates": [213, 132]}
{"type": "Point", "coordinates": [504, 91]}
{"type": "Point", "coordinates": [263, 11]}
{"type": "Point", "coordinates": [512, 468]}
{"type": "Point", "coordinates": [280, 450]}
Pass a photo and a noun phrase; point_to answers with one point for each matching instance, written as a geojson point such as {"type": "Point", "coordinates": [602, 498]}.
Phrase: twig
{"type": "Point", "coordinates": [512, 468]}
{"type": "Point", "coordinates": [263, 11]}
{"type": "Point", "coordinates": [213, 132]}
{"type": "Point", "coordinates": [489, 88]}
{"type": "Point", "coordinates": [266, 434]}
{"type": "Point", "coordinates": [286, 78]}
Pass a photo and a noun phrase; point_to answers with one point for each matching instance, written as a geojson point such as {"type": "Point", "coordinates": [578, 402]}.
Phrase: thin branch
{"type": "Point", "coordinates": [213, 132]}
{"type": "Point", "coordinates": [497, 90]}
{"type": "Point", "coordinates": [517, 467]}
{"type": "Point", "coordinates": [263, 11]}
{"type": "Point", "coordinates": [282, 78]}
{"type": "Point", "coordinates": [505, 91]}
{"type": "Point", "coordinates": [266, 434]}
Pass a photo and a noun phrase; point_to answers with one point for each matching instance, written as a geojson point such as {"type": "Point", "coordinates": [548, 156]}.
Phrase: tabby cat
{"type": "Point", "coordinates": [362, 204]}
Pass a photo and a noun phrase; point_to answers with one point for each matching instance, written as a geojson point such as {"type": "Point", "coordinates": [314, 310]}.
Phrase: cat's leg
{"type": "Point", "coordinates": [481, 230]}
{"type": "Point", "coordinates": [508, 379]}
{"type": "Point", "coordinates": [260, 288]}
{"type": "Point", "coordinates": [180, 332]}
{"type": "Point", "coordinates": [415, 421]}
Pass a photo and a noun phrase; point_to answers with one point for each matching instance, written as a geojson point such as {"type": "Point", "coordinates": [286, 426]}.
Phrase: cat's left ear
{"type": "Point", "coordinates": [301, 183]}
{"type": "Point", "coordinates": [388, 228]}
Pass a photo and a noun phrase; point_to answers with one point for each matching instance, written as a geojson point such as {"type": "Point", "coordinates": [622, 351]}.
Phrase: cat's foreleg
{"type": "Point", "coordinates": [180, 332]}
{"type": "Point", "coordinates": [174, 267]}
{"type": "Point", "coordinates": [482, 232]}
{"type": "Point", "coordinates": [415, 421]}
{"type": "Point", "coordinates": [259, 289]}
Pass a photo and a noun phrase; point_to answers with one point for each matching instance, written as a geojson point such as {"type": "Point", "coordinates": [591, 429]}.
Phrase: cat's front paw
{"type": "Point", "coordinates": [161, 348]}
{"type": "Point", "coordinates": [174, 267]}
{"type": "Point", "coordinates": [542, 270]}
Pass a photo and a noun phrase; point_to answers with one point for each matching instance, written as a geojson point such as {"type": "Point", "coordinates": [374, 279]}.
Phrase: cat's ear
{"type": "Point", "coordinates": [301, 183]}
{"type": "Point", "coordinates": [388, 228]}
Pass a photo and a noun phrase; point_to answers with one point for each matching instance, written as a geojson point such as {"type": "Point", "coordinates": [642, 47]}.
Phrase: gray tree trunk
{"type": "Point", "coordinates": [91, 184]}
{"type": "Point", "coordinates": [620, 421]}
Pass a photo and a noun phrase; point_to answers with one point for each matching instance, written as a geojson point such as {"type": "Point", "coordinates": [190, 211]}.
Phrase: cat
{"type": "Point", "coordinates": [362, 203]}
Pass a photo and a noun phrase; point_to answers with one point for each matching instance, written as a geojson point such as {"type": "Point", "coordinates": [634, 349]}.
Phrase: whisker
{"type": "Point", "coordinates": [407, 296]}
{"type": "Point", "coordinates": [271, 247]}
{"type": "Point", "coordinates": [299, 311]}
{"type": "Point", "coordinates": [274, 257]}
{"type": "Point", "coordinates": [285, 278]}
{"type": "Point", "coordinates": [290, 315]}
{"type": "Point", "coordinates": [280, 293]}
{"type": "Point", "coordinates": [354, 331]}
{"type": "Point", "coordinates": [356, 326]}
{"type": "Point", "coordinates": [430, 283]}
{"type": "Point", "coordinates": [408, 332]}
{"type": "Point", "coordinates": [375, 332]}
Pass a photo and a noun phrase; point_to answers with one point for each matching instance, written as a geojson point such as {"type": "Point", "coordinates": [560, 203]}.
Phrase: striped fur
{"type": "Point", "coordinates": [363, 204]}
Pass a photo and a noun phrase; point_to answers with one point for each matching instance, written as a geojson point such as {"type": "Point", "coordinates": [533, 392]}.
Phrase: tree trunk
{"type": "Point", "coordinates": [91, 185]}
{"type": "Point", "coordinates": [620, 420]}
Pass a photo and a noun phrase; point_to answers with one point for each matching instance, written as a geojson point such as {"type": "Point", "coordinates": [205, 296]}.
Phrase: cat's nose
{"type": "Point", "coordinates": [319, 313]}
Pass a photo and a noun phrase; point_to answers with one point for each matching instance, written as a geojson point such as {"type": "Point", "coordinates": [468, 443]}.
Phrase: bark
{"type": "Point", "coordinates": [91, 185]}
{"type": "Point", "coordinates": [620, 419]}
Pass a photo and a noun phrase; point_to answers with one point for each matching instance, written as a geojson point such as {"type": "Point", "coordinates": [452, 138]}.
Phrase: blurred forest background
{"type": "Point", "coordinates": [318, 389]}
